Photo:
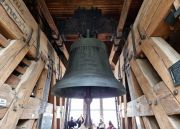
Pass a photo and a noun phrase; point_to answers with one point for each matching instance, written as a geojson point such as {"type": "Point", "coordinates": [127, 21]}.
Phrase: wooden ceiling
{"type": "Point", "coordinates": [65, 8]}
{"type": "Point", "coordinates": [53, 11]}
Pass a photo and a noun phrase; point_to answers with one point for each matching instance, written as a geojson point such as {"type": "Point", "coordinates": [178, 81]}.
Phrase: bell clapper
{"type": "Point", "coordinates": [88, 100]}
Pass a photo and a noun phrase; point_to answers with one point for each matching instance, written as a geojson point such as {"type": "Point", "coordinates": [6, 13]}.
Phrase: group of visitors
{"type": "Point", "coordinates": [103, 126]}
{"type": "Point", "coordinates": [80, 120]}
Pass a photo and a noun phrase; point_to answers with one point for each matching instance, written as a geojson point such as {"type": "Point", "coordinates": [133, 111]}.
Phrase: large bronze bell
{"type": "Point", "coordinates": [88, 70]}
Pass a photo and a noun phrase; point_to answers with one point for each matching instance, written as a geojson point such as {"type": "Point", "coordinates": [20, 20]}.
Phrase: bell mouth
{"type": "Point", "coordinates": [80, 92]}
{"type": "Point", "coordinates": [100, 87]}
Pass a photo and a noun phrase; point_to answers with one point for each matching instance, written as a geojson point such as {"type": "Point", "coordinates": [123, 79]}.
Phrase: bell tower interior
{"type": "Point", "coordinates": [89, 64]}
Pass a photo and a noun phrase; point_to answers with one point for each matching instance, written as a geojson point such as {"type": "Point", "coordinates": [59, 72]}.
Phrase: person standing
{"type": "Point", "coordinates": [101, 124]}
{"type": "Point", "coordinates": [111, 126]}
{"type": "Point", "coordinates": [79, 121]}
{"type": "Point", "coordinates": [71, 124]}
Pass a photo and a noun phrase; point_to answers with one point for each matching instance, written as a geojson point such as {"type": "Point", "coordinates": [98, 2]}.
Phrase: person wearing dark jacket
{"type": "Point", "coordinates": [71, 123]}
{"type": "Point", "coordinates": [79, 121]}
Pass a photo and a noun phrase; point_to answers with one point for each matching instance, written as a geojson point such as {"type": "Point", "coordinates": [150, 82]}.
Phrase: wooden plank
{"type": "Point", "coordinates": [122, 20]}
{"type": "Point", "coordinates": [21, 8]}
{"type": "Point", "coordinates": [44, 9]}
{"type": "Point", "coordinates": [16, 17]}
{"type": "Point", "coordinates": [135, 93]}
{"type": "Point", "coordinates": [112, 54]}
{"type": "Point", "coordinates": [20, 69]}
{"type": "Point", "coordinates": [176, 4]}
{"type": "Point", "coordinates": [134, 88]}
{"type": "Point", "coordinates": [175, 121]}
{"type": "Point", "coordinates": [162, 56]}
{"type": "Point", "coordinates": [35, 125]}
{"type": "Point", "coordinates": [26, 62]}
{"type": "Point", "coordinates": [39, 89]}
{"type": "Point", "coordinates": [139, 123]}
{"type": "Point", "coordinates": [165, 97]}
{"type": "Point", "coordinates": [23, 11]}
{"type": "Point", "coordinates": [156, 10]}
{"type": "Point", "coordinates": [27, 124]}
{"type": "Point", "coordinates": [12, 64]}
{"type": "Point", "coordinates": [3, 41]}
{"type": "Point", "coordinates": [150, 123]}
{"type": "Point", "coordinates": [139, 107]}
{"type": "Point", "coordinates": [137, 22]}
{"type": "Point", "coordinates": [147, 80]}
{"type": "Point", "coordinates": [147, 15]}
{"type": "Point", "coordinates": [24, 89]}
{"type": "Point", "coordinates": [123, 16]}
{"type": "Point", "coordinates": [33, 107]}
{"type": "Point", "coordinates": [10, 51]}
{"type": "Point", "coordinates": [8, 28]}
{"type": "Point", "coordinates": [54, 101]}
{"type": "Point", "coordinates": [7, 93]}
{"type": "Point", "coordinates": [160, 28]}
{"type": "Point", "coordinates": [13, 81]}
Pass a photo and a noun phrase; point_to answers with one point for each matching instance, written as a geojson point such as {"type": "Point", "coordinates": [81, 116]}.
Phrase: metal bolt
{"type": "Point", "coordinates": [143, 36]}
{"type": "Point", "coordinates": [175, 92]}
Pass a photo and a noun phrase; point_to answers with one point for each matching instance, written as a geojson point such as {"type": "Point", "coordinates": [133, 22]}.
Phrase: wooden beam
{"type": "Point", "coordinates": [31, 109]}
{"type": "Point", "coordinates": [3, 41]}
{"type": "Point", "coordinates": [39, 89]}
{"type": "Point", "coordinates": [26, 62]}
{"type": "Point", "coordinates": [161, 55]}
{"type": "Point", "coordinates": [147, 80]}
{"type": "Point", "coordinates": [122, 20]}
{"type": "Point", "coordinates": [139, 107]}
{"type": "Point", "coordinates": [8, 28]}
{"type": "Point", "coordinates": [112, 54]}
{"type": "Point", "coordinates": [166, 98]}
{"type": "Point", "coordinates": [12, 63]}
{"type": "Point", "coordinates": [53, 100]}
{"type": "Point", "coordinates": [123, 16]}
{"type": "Point", "coordinates": [176, 4]}
{"type": "Point", "coordinates": [13, 81]}
{"type": "Point", "coordinates": [150, 123]}
{"type": "Point", "coordinates": [137, 94]}
{"type": "Point", "coordinates": [44, 9]}
{"type": "Point", "coordinates": [10, 51]}
{"type": "Point", "coordinates": [21, 70]}
{"type": "Point", "coordinates": [27, 124]}
{"type": "Point", "coordinates": [156, 10]}
{"type": "Point", "coordinates": [23, 90]}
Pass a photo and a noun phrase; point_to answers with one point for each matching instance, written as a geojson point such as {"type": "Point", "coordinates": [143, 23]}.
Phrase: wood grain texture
{"type": "Point", "coordinates": [147, 80]}
{"type": "Point", "coordinates": [162, 56]}
{"type": "Point", "coordinates": [24, 90]}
